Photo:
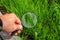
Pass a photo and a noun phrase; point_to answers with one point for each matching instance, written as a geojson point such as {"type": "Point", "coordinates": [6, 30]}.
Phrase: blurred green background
{"type": "Point", "coordinates": [48, 17]}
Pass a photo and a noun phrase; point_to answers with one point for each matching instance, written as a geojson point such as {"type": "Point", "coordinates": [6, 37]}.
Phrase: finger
{"type": "Point", "coordinates": [18, 21]}
{"type": "Point", "coordinates": [14, 27]}
{"type": "Point", "coordinates": [19, 27]}
{"type": "Point", "coordinates": [16, 33]}
{"type": "Point", "coordinates": [19, 31]}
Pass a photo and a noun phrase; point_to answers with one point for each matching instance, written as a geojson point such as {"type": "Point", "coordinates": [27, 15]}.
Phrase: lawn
{"type": "Point", "coordinates": [48, 17]}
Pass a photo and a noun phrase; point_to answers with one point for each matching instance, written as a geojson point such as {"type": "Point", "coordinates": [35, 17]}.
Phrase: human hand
{"type": "Point", "coordinates": [11, 23]}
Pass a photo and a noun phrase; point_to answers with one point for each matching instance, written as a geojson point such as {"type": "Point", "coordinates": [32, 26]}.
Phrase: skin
{"type": "Point", "coordinates": [11, 23]}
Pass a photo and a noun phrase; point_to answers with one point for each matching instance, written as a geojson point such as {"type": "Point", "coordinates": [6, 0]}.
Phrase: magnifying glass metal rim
{"type": "Point", "coordinates": [25, 24]}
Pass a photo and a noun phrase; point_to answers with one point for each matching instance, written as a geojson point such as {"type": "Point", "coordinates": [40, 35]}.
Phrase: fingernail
{"type": "Point", "coordinates": [20, 26]}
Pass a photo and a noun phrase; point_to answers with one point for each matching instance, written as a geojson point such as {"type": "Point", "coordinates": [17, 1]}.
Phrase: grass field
{"type": "Point", "coordinates": [48, 17]}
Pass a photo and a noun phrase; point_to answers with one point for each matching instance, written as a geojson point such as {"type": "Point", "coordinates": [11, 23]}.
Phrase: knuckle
{"type": "Point", "coordinates": [13, 14]}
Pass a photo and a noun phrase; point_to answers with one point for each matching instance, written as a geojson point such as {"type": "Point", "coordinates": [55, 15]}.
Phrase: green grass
{"type": "Point", "coordinates": [48, 17]}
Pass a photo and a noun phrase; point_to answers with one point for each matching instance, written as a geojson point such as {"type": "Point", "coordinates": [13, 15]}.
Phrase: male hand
{"type": "Point", "coordinates": [11, 23]}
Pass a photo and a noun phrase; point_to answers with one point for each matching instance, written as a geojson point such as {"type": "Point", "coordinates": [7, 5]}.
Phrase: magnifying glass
{"type": "Point", "coordinates": [29, 20]}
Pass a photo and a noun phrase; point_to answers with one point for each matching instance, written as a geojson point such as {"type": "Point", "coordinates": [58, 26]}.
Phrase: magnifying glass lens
{"type": "Point", "coordinates": [29, 20]}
